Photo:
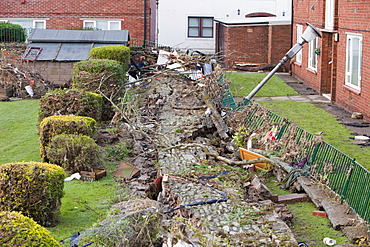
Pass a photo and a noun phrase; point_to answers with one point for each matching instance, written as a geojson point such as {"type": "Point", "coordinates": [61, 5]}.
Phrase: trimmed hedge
{"type": "Point", "coordinates": [97, 75]}
{"type": "Point", "coordinates": [74, 153]}
{"type": "Point", "coordinates": [33, 188]}
{"type": "Point", "coordinates": [19, 230]}
{"type": "Point", "coordinates": [119, 53]}
{"type": "Point", "coordinates": [71, 102]}
{"type": "Point", "coordinates": [56, 125]}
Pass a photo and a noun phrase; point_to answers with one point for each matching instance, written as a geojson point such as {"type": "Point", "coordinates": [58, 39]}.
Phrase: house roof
{"type": "Point", "coordinates": [70, 45]}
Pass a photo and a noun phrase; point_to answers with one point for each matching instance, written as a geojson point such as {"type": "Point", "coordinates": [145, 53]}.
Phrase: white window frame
{"type": "Point", "coordinates": [39, 21]}
{"type": "Point", "coordinates": [329, 14]}
{"type": "Point", "coordinates": [87, 21]}
{"type": "Point", "coordinates": [312, 56]}
{"type": "Point", "coordinates": [298, 56]}
{"type": "Point", "coordinates": [110, 22]}
{"type": "Point", "coordinates": [349, 60]}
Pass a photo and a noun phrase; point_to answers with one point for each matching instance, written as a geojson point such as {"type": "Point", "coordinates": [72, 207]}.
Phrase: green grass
{"type": "Point", "coordinates": [243, 83]}
{"type": "Point", "coordinates": [18, 131]}
{"type": "Point", "coordinates": [314, 119]}
{"type": "Point", "coordinates": [84, 202]}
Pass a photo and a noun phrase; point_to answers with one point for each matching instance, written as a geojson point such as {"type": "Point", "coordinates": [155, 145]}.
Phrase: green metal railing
{"type": "Point", "coordinates": [328, 165]}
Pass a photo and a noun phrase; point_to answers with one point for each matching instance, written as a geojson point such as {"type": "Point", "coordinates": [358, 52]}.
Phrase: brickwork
{"type": "Point", "coordinates": [254, 44]}
{"type": "Point", "coordinates": [351, 17]}
{"type": "Point", "coordinates": [68, 14]}
{"type": "Point", "coordinates": [56, 72]}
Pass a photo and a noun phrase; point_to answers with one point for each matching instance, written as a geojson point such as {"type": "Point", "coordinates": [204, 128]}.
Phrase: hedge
{"type": "Point", "coordinates": [74, 153]}
{"type": "Point", "coordinates": [119, 53]}
{"type": "Point", "coordinates": [19, 230]}
{"type": "Point", "coordinates": [71, 102]}
{"type": "Point", "coordinates": [10, 33]}
{"type": "Point", "coordinates": [56, 125]}
{"type": "Point", "coordinates": [33, 188]}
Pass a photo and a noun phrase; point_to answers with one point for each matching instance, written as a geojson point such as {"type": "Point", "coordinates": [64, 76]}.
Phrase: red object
{"type": "Point", "coordinates": [319, 213]}
{"type": "Point", "coordinates": [23, 1]}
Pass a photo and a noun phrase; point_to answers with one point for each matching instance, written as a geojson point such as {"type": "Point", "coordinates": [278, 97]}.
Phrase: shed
{"type": "Point", "coordinates": [54, 51]}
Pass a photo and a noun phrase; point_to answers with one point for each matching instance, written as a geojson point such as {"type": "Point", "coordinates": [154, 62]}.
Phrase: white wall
{"type": "Point", "coordinates": [173, 18]}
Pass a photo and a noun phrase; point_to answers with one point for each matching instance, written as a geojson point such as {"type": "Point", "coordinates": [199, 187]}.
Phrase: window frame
{"type": "Point", "coordinates": [349, 61]}
{"type": "Point", "coordinates": [86, 21]}
{"type": "Point", "coordinates": [299, 29]}
{"type": "Point", "coordinates": [329, 14]}
{"type": "Point", "coordinates": [312, 56]}
{"type": "Point", "coordinates": [110, 22]}
{"type": "Point", "coordinates": [40, 21]}
{"type": "Point", "coordinates": [200, 27]}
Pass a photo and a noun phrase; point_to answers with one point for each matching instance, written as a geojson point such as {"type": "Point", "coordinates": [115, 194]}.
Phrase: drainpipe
{"type": "Point", "coordinates": [145, 20]}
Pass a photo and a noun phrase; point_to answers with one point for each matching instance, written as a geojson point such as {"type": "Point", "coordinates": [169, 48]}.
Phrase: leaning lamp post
{"type": "Point", "coordinates": [309, 34]}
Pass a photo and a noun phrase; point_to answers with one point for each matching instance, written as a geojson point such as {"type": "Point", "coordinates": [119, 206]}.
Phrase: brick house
{"type": "Point", "coordinates": [253, 41]}
{"type": "Point", "coordinates": [338, 64]}
{"type": "Point", "coordinates": [132, 15]}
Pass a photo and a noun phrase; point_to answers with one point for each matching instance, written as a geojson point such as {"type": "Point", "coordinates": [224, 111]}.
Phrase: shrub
{"type": "Point", "coordinates": [103, 76]}
{"type": "Point", "coordinates": [35, 189]}
{"type": "Point", "coordinates": [71, 102]}
{"type": "Point", "coordinates": [119, 53]}
{"type": "Point", "coordinates": [19, 230]}
{"type": "Point", "coordinates": [10, 33]}
{"type": "Point", "coordinates": [56, 125]}
{"type": "Point", "coordinates": [74, 152]}
{"type": "Point", "coordinates": [106, 76]}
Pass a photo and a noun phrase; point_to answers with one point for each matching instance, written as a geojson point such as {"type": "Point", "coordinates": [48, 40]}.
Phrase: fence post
{"type": "Point", "coordinates": [345, 187]}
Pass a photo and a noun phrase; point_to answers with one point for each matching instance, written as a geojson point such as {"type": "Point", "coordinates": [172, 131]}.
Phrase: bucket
{"type": "Point", "coordinates": [329, 241]}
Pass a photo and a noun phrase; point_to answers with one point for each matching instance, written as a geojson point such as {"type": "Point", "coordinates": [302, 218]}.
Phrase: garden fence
{"type": "Point", "coordinates": [327, 164]}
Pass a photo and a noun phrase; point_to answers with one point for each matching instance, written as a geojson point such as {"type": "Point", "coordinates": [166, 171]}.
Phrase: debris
{"type": "Point", "coordinates": [73, 176]}
{"type": "Point", "coordinates": [319, 213]}
{"type": "Point", "coordinates": [357, 115]}
{"type": "Point", "coordinates": [127, 171]}
{"type": "Point", "coordinates": [362, 138]}
{"type": "Point", "coordinates": [248, 155]}
{"type": "Point", "coordinates": [329, 241]}
{"type": "Point", "coordinates": [93, 175]}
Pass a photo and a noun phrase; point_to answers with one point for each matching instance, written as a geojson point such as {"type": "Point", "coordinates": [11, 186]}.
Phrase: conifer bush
{"type": "Point", "coordinates": [71, 102]}
{"type": "Point", "coordinates": [74, 152]}
{"type": "Point", "coordinates": [56, 125]}
{"type": "Point", "coordinates": [33, 188]}
{"type": "Point", "coordinates": [19, 230]}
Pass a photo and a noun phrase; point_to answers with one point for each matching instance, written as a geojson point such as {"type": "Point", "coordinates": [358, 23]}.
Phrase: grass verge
{"type": "Point", "coordinates": [314, 119]}
{"type": "Point", "coordinates": [243, 83]}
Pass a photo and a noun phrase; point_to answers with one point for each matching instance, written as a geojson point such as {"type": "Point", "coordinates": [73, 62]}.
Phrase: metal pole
{"type": "Point", "coordinates": [260, 85]}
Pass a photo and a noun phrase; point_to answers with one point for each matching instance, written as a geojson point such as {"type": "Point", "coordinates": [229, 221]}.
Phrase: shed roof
{"type": "Point", "coordinates": [71, 45]}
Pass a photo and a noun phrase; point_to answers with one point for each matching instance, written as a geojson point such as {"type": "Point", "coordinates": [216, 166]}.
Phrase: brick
{"type": "Point", "coordinates": [319, 213]}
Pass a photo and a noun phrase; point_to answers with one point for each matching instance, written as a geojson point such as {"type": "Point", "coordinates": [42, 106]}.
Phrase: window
{"type": "Point", "coordinates": [114, 25]}
{"type": "Point", "coordinates": [200, 27]}
{"type": "Point", "coordinates": [298, 57]}
{"type": "Point", "coordinates": [39, 24]}
{"type": "Point", "coordinates": [89, 24]}
{"type": "Point", "coordinates": [329, 14]}
{"type": "Point", "coordinates": [353, 60]}
{"type": "Point", "coordinates": [312, 56]}
{"type": "Point", "coordinates": [102, 24]}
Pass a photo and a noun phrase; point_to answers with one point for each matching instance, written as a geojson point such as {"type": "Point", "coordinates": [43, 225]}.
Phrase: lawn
{"type": "Point", "coordinates": [18, 131]}
{"type": "Point", "coordinates": [84, 202]}
{"type": "Point", "coordinates": [243, 83]}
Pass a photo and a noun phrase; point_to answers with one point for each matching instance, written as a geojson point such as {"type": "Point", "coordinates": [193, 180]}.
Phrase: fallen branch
{"type": "Point", "coordinates": [206, 150]}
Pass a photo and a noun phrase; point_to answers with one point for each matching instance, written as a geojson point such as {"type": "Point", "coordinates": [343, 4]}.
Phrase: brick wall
{"type": "Point", "coordinates": [351, 17]}
{"type": "Point", "coordinates": [65, 14]}
{"type": "Point", "coordinates": [255, 44]}
{"type": "Point", "coordinates": [56, 72]}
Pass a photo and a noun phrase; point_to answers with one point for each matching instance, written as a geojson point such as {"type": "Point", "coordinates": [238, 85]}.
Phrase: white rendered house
{"type": "Point", "coordinates": [189, 24]}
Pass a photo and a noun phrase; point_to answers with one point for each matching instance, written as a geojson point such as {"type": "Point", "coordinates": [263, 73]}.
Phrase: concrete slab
{"type": "Point", "coordinates": [340, 215]}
